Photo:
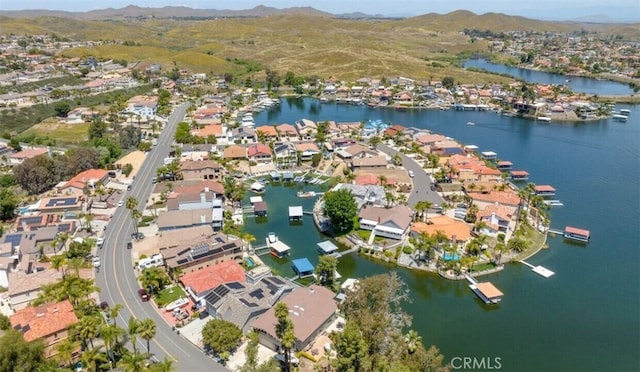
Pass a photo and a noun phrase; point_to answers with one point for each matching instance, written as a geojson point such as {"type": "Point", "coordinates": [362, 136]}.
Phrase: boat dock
{"type": "Point", "coordinates": [542, 271]}
{"type": "Point", "coordinates": [348, 251]}
{"type": "Point", "coordinates": [553, 203]}
{"type": "Point", "coordinates": [486, 291]}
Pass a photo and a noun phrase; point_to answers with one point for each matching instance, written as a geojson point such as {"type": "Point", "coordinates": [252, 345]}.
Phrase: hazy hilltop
{"type": "Point", "coordinates": [302, 40]}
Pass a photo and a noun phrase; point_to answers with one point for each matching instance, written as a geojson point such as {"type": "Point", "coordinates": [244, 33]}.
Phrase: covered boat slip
{"type": "Point", "coordinates": [279, 249]}
{"type": "Point", "coordinates": [575, 233]}
{"type": "Point", "coordinates": [327, 247]}
{"type": "Point", "coordinates": [487, 292]}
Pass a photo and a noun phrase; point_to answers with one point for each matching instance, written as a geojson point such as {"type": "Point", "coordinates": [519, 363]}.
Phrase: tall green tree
{"type": "Point", "coordinates": [18, 355]}
{"type": "Point", "coordinates": [285, 333]}
{"type": "Point", "coordinates": [375, 307]}
{"type": "Point", "coordinates": [326, 269]}
{"type": "Point", "coordinates": [132, 331]}
{"type": "Point", "coordinates": [221, 335]}
{"type": "Point", "coordinates": [341, 208]}
{"type": "Point", "coordinates": [352, 351]}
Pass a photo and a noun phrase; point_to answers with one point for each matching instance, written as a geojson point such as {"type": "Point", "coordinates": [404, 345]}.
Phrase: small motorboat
{"type": "Point", "coordinates": [471, 123]}
{"type": "Point", "coordinates": [182, 301]}
{"type": "Point", "coordinates": [272, 237]}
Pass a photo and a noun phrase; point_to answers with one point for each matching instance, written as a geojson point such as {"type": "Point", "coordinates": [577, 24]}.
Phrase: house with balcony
{"type": "Point", "coordinates": [497, 219]}
{"type": "Point", "coordinates": [288, 133]}
{"type": "Point", "coordinates": [307, 128]}
{"type": "Point", "coordinates": [269, 132]}
{"type": "Point", "coordinates": [307, 150]}
{"type": "Point", "coordinates": [25, 286]}
{"type": "Point", "coordinates": [390, 223]}
{"type": "Point", "coordinates": [259, 153]}
{"type": "Point", "coordinates": [20, 156]}
{"type": "Point", "coordinates": [285, 155]}
{"type": "Point", "coordinates": [242, 135]}
{"type": "Point", "coordinates": [142, 106]}
{"type": "Point", "coordinates": [196, 248]}
{"type": "Point", "coordinates": [202, 170]}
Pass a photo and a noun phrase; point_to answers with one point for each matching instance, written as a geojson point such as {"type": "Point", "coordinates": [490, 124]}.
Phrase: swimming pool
{"type": "Point", "coordinates": [451, 257]}
{"type": "Point", "coordinates": [249, 262]}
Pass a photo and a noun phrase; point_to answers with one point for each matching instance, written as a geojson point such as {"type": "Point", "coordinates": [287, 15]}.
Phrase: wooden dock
{"type": "Point", "coordinates": [555, 231]}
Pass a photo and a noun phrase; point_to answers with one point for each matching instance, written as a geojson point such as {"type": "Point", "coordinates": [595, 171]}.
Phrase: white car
{"type": "Point", "coordinates": [411, 174]}
{"type": "Point", "coordinates": [95, 261]}
{"type": "Point", "coordinates": [120, 203]}
{"type": "Point", "coordinates": [99, 242]}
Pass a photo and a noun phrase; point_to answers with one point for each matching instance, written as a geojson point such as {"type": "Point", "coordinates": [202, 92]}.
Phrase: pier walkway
{"type": "Point", "coordinates": [554, 231]}
{"type": "Point", "coordinates": [470, 279]}
{"type": "Point", "coordinates": [348, 251]}
{"type": "Point", "coordinates": [540, 270]}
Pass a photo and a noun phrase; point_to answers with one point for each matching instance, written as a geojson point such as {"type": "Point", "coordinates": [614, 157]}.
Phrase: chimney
{"type": "Point", "coordinates": [203, 198]}
{"type": "Point", "coordinates": [206, 189]}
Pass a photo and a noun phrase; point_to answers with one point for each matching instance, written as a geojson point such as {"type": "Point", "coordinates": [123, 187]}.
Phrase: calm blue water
{"type": "Point", "coordinates": [578, 84]}
{"type": "Point", "coordinates": [586, 317]}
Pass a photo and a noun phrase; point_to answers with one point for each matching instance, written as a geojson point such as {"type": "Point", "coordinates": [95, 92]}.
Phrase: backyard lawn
{"type": "Point", "coordinates": [168, 295]}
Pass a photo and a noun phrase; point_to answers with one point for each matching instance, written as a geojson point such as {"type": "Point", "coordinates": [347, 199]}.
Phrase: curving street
{"type": "Point", "coordinates": [116, 277]}
{"type": "Point", "coordinates": [421, 180]}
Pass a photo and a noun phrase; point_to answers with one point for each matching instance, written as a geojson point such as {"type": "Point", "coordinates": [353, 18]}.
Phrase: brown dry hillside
{"type": "Point", "coordinates": [422, 47]}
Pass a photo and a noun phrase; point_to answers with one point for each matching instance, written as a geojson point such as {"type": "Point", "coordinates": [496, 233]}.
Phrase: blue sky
{"type": "Point", "coordinates": [626, 10]}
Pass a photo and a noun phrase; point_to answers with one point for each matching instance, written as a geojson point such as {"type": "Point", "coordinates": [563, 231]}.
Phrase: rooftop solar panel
{"type": "Point", "coordinates": [32, 220]}
{"type": "Point", "coordinates": [14, 239]}
{"type": "Point", "coordinates": [219, 239]}
{"type": "Point", "coordinates": [257, 294]}
{"type": "Point", "coordinates": [247, 303]}
{"type": "Point", "coordinates": [235, 285]}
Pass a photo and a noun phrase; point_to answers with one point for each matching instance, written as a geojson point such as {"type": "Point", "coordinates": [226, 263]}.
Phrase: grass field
{"type": "Point", "coordinates": [63, 133]}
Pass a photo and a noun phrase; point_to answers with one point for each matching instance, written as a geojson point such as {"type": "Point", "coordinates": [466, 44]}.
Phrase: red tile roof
{"type": "Point", "coordinates": [90, 175]}
{"type": "Point", "coordinates": [210, 277]}
{"type": "Point", "coordinates": [44, 320]}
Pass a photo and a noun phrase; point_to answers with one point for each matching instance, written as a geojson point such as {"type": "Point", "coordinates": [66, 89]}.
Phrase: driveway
{"type": "Point", "coordinates": [421, 180]}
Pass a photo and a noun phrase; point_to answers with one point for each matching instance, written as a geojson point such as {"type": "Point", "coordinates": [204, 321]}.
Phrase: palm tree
{"type": "Point", "coordinates": [94, 359]}
{"type": "Point", "coordinates": [132, 205]}
{"type": "Point", "coordinates": [132, 331]}
{"type": "Point", "coordinates": [133, 362]}
{"type": "Point", "coordinates": [114, 311]}
{"type": "Point", "coordinates": [284, 332]}
{"type": "Point", "coordinates": [65, 351]}
{"type": "Point", "coordinates": [87, 329]}
{"type": "Point", "coordinates": [76, 264]}
{"type": "Point", "coordinates": [109, 335]}
{"type": "Point", "coordinates": [412, 339]}
{"type": "Point", "coordinates": [57, 262]}
{"type": "Point", "coordinates": [147, 330]}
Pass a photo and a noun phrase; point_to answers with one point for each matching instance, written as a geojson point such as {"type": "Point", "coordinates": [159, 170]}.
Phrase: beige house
{"type": "Point", "coordinates": [24, 288]}
{"type": "Point", "coordinates": [201, 170]}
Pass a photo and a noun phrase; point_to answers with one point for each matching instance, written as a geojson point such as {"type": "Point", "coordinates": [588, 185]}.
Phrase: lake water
{"type": "Point", "coordinates": [577, 83]}
{"type": "Point", "coordinates": [586, 316]}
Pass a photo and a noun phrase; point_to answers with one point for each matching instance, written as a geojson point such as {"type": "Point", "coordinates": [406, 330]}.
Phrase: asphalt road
{"type": "Point", "coordinates": [421, 180]}
{"type": "Point", "coordinates": [116, 277]}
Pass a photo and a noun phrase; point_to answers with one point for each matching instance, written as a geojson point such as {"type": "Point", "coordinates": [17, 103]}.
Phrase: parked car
{"type": "Point", "coordinates": [95, 261]}
{"type": "Point", "coordinates": [144, 296]}
{"type": "Point", "coordinates": [129, 245]}
{"type": "Point", "coordinates": [137, 236]}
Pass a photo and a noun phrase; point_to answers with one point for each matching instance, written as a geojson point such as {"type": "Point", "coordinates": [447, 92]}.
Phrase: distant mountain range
{"type": "Point", "coordinates": [133, 11]}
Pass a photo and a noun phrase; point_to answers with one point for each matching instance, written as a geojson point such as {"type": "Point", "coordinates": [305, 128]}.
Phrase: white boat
{"type": "Point", "coordinates": [306, 194]}
{"type": "Point", "coordinates": [620, 117]}
{"type": "Point", "coordinates": [272, 237]}
{"type": "Point", "coordinates": [182, 301]}
{"type": "Point", "coordinates": [471, 123]}
{"type": "Point", "coordinates": [544, 118]}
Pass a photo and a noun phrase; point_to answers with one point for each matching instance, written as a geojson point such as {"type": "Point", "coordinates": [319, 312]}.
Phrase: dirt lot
{"type": "Point", "coordinates": [397, 174]}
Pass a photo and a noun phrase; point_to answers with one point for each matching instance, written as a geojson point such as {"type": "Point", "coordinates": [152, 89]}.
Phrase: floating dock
{"type": "Point", "coordinates": [553, 203]}
{"type": "Point", "coordinates": [540, 270]}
